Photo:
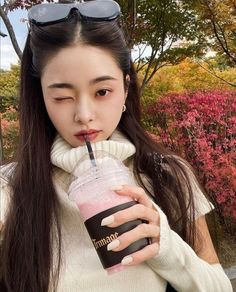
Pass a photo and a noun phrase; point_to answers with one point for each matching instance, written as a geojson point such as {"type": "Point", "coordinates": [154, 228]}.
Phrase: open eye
{"type": "Point", "coordinates": [102, 92]}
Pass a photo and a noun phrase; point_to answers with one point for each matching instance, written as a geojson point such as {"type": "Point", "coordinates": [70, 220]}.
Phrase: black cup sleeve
{"type": "Point", "coordinates": [101, 236]}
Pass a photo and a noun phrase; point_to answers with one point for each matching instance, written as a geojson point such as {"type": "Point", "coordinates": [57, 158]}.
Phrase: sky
{"type": "Point", "coordinates": [8, 55]}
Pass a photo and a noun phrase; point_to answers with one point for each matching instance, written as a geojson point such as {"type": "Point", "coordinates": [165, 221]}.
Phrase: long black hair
{"type": "Point", "coordinates": [34, 213]}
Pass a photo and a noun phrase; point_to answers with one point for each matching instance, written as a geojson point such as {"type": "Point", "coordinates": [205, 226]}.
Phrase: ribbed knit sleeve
{"type": "Point", "coordinates": [178, 264]}
{"type": "Point", "coordinates": [5, 189]}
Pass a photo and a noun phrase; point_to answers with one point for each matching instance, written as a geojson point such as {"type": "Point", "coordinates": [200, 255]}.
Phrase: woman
{"type": "Point", "coordinates": [77, 78]}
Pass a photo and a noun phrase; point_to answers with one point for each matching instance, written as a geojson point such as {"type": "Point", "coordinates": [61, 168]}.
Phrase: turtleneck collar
{"type": "Point", "coordinates": [64, 156]}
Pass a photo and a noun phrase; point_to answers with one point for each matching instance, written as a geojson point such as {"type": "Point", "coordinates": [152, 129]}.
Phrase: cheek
{"type": "Point", "coordinates": [58, 115]}
{"type": "Point", "coordinates": [51, 111]}
{"type": "Point", "coordinates": [116, 103]}
{"type": "Point", "coordinates": [111, 115]}
{"type": "Point", "coordinates": [113, 109]}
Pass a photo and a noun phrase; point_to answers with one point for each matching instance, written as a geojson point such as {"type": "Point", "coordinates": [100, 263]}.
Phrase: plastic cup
{"type": "Point", "coordinates": [91, 191]}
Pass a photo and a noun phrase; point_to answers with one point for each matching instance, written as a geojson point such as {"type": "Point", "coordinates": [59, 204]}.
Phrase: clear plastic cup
{"type": "Point", "coordinates": [91, 190]}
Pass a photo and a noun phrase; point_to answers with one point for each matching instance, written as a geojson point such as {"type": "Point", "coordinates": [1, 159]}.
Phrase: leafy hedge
{"type": "Point", "coordinates": [201, 127]}
{"type": "Point", "coordinates": [10, 132]}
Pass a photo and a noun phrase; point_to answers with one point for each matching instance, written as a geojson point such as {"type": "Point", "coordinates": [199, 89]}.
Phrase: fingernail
{"type": "Point", "coordinates": [116, 188]}
{"type": "Point", "coordinates": [114, 244]}
{"type": "Point", "coordinates": [127, 260]}
{"type": "Point", "coordinates": [107, 220]}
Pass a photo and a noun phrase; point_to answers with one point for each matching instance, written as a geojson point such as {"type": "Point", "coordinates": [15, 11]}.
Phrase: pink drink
{"type": "Point", "coordinates": [88, 210]}
{"type": "Point", "coordinates": [92, 194]}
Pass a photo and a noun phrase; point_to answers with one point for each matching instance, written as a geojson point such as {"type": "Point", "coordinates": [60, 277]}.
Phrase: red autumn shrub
{"type": "Point", "coordinates": [10, 131]}
{"type": "Point", "coordinates": [201, 127]}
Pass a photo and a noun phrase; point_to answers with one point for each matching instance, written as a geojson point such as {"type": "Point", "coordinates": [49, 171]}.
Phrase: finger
{"type": "Point", "coordinates": [136, 193]}
{"type": "Point", "coordinates": [147, 253]}
{"type": "Point", "coordinates": [137, 211]}
{"type": "Point", "coordinates": [139, 232]}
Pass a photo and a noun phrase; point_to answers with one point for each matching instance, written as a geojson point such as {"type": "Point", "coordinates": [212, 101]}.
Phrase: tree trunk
{"type": "Point", "coordinates": [1, 143]}
{"type": "Point", "coordinates": [11, 33]}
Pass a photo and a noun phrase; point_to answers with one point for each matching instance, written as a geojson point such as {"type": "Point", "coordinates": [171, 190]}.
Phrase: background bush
{"type": "Point", "coordinates": [201, 127]}
{"type": "Point", "coordinates": [189, 76]}
{"type": "Point", "coordinates": [10, 131]}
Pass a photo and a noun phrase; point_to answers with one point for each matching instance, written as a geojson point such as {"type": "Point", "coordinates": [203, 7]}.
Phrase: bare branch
{"type": "Point", "coordinates": [158, 67]}
{"type": "Point", "coordinates": [224, 47]}
{"type": "Point", "coordinates": [143, 65]}
{"type": "Point", "coordinates": [223, 43]}
{"type": "Point", "coordinates": [217, 76]}
{"type": "Point", "coordinates": [11, 32]}
{"type": "Point", "coordinates": [141, 52]}
{"type": "Point", "coordinates": [149, 65]}
{"type": "Point", "coordinates": [1, 143]}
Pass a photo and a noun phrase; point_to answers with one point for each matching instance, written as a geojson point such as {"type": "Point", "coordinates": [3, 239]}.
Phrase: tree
{"type": "Point", "coordinates": [157, 24]}
{"type": "Point", "coordinates": [11, 5]}
{"type": "Point", "coordinates": [4, 9]}
{"type": "Point", "coordinates": [9, 81]}
{"type": "Point", "coordinates": [1, 141]}
{"type": "Point", "coordinates": [8, 96]}
{"type": "Point", "coordinates": [218, 19]}
{"type": "Point", "coordinates": [167, 27]}
{"type": "Point", "coordinates": [171, 30]}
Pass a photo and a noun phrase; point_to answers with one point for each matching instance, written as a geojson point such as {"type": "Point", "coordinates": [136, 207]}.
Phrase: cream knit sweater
{"type": "Point", "coordinates": [81, 269]}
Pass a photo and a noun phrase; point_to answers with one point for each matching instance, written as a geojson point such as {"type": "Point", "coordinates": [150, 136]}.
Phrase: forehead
{"type": "Point", "coordinates": [81, 62]}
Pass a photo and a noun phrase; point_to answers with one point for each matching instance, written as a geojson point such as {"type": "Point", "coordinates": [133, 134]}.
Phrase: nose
{"type": "Point", "coordinates": [84, 111]}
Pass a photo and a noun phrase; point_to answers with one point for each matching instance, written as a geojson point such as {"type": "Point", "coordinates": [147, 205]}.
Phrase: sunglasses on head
{"type": "Point", "coordinates": [96, 10]}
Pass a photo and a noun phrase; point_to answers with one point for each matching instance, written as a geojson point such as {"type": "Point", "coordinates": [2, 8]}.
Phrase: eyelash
{"type": "Point", "coordinates": [105, 89]}
{"type": "Point", "coordinates": [97, 94]}
{"type": "Point", "coordinates": [61, 98]}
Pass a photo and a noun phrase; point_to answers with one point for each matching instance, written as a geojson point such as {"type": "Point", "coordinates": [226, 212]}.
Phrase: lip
{"type": "Point", "coordinates": [91, 134]}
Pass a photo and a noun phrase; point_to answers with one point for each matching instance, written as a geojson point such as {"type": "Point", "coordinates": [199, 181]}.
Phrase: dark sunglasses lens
{"type": "Point", "coordinates": [48, 12]}
{"type": "Point", "coordinates": [100, 9]}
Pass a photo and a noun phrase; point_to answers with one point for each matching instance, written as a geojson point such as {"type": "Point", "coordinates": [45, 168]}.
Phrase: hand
{"type": "Point", "coordinates": [144, 210]}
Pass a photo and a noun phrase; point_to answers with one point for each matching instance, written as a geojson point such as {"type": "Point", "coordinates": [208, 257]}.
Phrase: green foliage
{"type": "Point", "coordinates": [168, 27]}
{"type": "Point", "coordinates": [10, 132]}
{"type": "Point", "coordinates": [217, 20]}
{"type": "Point", "coordinates": [9, 84]}
{"type": "Point", "coordinates": [172, 30]}
{"type": "Point", "coordinates": [187, 76]}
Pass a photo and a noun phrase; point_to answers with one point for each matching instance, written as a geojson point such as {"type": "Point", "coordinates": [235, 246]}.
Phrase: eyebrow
{"type": "Point", "coordinates": [101, 78]}
{"type": "Point", "coordinates": [61, 85]}
{"type": "Point", "coordinates": [91, 82]}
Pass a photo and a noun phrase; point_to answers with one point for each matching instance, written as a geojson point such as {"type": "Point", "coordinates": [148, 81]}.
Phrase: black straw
{"type": "Point", "coordinates": [90, 151]}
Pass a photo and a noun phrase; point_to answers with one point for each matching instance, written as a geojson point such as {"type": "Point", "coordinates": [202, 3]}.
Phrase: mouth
{"type": "Point", "coordinates": [90, 134]}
